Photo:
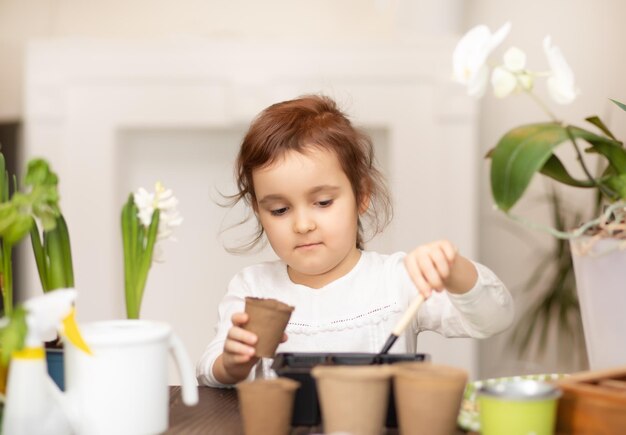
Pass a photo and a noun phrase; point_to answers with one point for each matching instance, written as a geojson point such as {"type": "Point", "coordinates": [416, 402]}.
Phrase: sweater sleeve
{"type": "Point", "coordinates": [233, 302]}
{"type": "Point", "coordinates": [483, 311]}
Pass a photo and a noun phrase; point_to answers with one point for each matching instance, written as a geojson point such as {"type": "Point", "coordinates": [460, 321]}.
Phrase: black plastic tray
{"type": "Point", "coordinates": [297, 366]}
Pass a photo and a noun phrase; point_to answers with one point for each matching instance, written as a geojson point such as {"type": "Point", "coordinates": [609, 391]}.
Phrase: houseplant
{"type": "Point", "coordinates": [524, 151]}
{"type": "Point", "coordinates": [147, 219]}
{"type": "Point", "coordinates": [19, 213]}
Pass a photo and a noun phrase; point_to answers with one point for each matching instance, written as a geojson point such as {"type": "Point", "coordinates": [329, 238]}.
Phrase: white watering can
{"type": "Point", "coordinates": [122, 387]}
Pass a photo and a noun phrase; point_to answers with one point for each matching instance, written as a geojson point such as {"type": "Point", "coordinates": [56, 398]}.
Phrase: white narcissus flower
{"type": "Point", "coordinates": [561, 86]}
{"type": "Point", "coordinates": [169, 217]}
{"type": "Point", "coordinates": [470, 56]}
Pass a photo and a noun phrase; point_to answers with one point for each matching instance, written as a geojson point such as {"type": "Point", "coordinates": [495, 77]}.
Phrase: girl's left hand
{"type": "Point", "coordinates": [430, 265]}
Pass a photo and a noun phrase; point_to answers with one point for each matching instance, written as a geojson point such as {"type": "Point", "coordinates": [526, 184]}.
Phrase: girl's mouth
{"type": "Point", "coordinates": [308, 245]}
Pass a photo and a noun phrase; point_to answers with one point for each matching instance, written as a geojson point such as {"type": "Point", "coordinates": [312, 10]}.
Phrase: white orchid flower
{"type": "Point", "coordinates": [503, 82]}
{"type": "Point", "coordinates": [511, 76]}
{"type": "Point", "coordinates": [561, 86]}
{"type": "Point", "coordinates": [514, 59]}
{"type": "Point", "coordinates": [470, 57]}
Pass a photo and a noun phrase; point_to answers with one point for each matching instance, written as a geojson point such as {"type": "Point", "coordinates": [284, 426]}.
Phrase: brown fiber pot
{"type": "Point", "coordinates": [268, 319]}
{"type": "Point", "coordinates": [428, 397]}
{"type": "Point", "coordinates": [266, 405]}
{"type": "Point", "coordinates": [353, 398]}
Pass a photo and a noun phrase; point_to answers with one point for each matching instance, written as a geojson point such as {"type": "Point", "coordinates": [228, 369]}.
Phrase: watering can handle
{"type": "Point", "coordinates": [185, 370]}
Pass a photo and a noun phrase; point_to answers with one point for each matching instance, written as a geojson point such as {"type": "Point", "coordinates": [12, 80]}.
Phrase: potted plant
{"type": "Point", "coordinates": [597, 245]}
{"type": "Point", "coordinates": [148, 218]}
{"type": "Point", "coordinates": [19, 214]}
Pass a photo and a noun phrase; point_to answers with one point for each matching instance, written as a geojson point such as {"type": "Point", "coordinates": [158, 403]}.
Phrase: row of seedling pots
{"type": "Point", "coordinates": [354, 399]}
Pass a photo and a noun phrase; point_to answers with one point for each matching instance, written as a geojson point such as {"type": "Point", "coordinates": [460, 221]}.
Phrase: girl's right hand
{"type": "Point", "coordinates": [237, 359]}
{"type": "Point", "coordinates": [239, 347]}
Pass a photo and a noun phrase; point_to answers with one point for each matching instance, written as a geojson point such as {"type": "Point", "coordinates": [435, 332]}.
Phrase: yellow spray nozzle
{"type": "Point", "coordinates": [29, 353]}
{"type": "Point", "coordinates": [71, 331]}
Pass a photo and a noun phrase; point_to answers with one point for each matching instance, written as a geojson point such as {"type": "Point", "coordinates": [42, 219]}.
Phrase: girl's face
{"type": "Point", "coordinates": [308, 210]}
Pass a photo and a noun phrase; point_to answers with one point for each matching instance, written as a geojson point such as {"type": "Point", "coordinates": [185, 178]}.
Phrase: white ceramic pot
{"type": "Point", "coordinates": [600, 270]}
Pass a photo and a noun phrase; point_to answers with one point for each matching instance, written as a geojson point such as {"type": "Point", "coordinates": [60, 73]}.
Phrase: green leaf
{"type": "Point", "coordinates": [523, 151]}
{"type": "Point", "coordinates": [66, 250]}
{"type": "Point", "coordinates": [519, 154]}
{"type": "Point", "coordinates": [146, 260]}
{"type": "Point", "coordinates": [621, 105]}
{"type": "Point", "coordinates": [554, 169]}
{"type": "Point", "coordinates": [128, 217]}
{"type": "Point", "coordinates": [4, 179]}
{"type": "Point", "coordinates": [7, 278]}
{"type": "Point", "coordinates": [40, 256]}
{"type": "Point", "coordinates": [18, 229]}
{"type": "Point", "coordinates": [613, 151]}
{"type": "Point", "coordinates": [52, 247]}
{"type": "Point", "coordinates": [598, 123]}
{"type": "Point", "coordinates": [13, 335]}
{"type": "Point", "coordinates": [38, 173]}
{"type": "Point", "coordinates": [8, 214]}
{"type": "Point", "coordinates": [618, 184]}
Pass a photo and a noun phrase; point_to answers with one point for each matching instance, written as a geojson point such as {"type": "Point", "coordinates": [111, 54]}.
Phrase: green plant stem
{"type": "Point", "coordinates": [7, 279]}
{"type": "Point", "coordinates": [539, 102]}
{"type": "Point", "coordinates": [605, 190]}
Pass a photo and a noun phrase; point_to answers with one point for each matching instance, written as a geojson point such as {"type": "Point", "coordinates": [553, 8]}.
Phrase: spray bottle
{"type": "Point", "coordinates": [30, 407]}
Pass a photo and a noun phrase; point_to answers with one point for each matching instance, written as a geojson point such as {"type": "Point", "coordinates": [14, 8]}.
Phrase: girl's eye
{"type": "Point", "coordinates": [325, 203]}
{"type": "Point", "coordinates": [279, 211]}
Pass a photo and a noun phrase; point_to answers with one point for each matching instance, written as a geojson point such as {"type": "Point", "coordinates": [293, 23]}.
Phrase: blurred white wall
{"type": "Point", "coordinates": [241, 20]}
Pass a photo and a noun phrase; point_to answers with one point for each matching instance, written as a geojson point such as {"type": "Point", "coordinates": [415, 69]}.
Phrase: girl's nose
{"type": "Point", "coordinates": [303, 223]}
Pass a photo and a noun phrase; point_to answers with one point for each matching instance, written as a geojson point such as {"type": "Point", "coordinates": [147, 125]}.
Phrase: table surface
{"type": "Point", "coordinates": [216, 413]}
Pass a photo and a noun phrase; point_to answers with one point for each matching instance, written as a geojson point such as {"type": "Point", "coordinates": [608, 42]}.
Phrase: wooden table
{"type": "Point", "coordinates": [216, 413]}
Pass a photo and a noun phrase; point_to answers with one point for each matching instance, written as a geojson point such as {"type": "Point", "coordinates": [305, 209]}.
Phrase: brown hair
{"type": "Point", "coordinates": [312, 120]}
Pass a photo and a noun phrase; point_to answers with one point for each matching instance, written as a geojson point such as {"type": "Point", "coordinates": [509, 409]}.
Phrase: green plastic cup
{"type": "Point", "coordinates": [518, 408]}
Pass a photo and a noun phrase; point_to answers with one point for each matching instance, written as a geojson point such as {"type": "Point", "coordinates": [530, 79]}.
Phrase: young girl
{"type": "Point", "coordinates": [310, 179]}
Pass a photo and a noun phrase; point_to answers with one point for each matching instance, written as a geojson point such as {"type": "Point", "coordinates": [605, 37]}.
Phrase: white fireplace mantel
{"type": "Point", "coordinates": [97, 110]}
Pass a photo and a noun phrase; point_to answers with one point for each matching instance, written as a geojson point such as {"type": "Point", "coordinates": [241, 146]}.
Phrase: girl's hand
{"type": "Point", "coordinates": [438, 266]}
{"type": "Point", "coordinates": [238, 357]}
{"type": "Point", "coordinates": [239, 345]}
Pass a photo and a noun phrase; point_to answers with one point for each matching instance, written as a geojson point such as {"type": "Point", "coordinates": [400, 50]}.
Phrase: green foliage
{"type": "Point", "coordinates": [12, 335]}
{"type": "Point", "coordinates": [53, 256]}
{"type": "Point", "coordinates": [18, 215]}
{"type": "Point", "coordinates": [138, 244]}
{"type": "Point", "coordinates": [40, 201]}
{"type": "Point", "coordinates": [526, 150]}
